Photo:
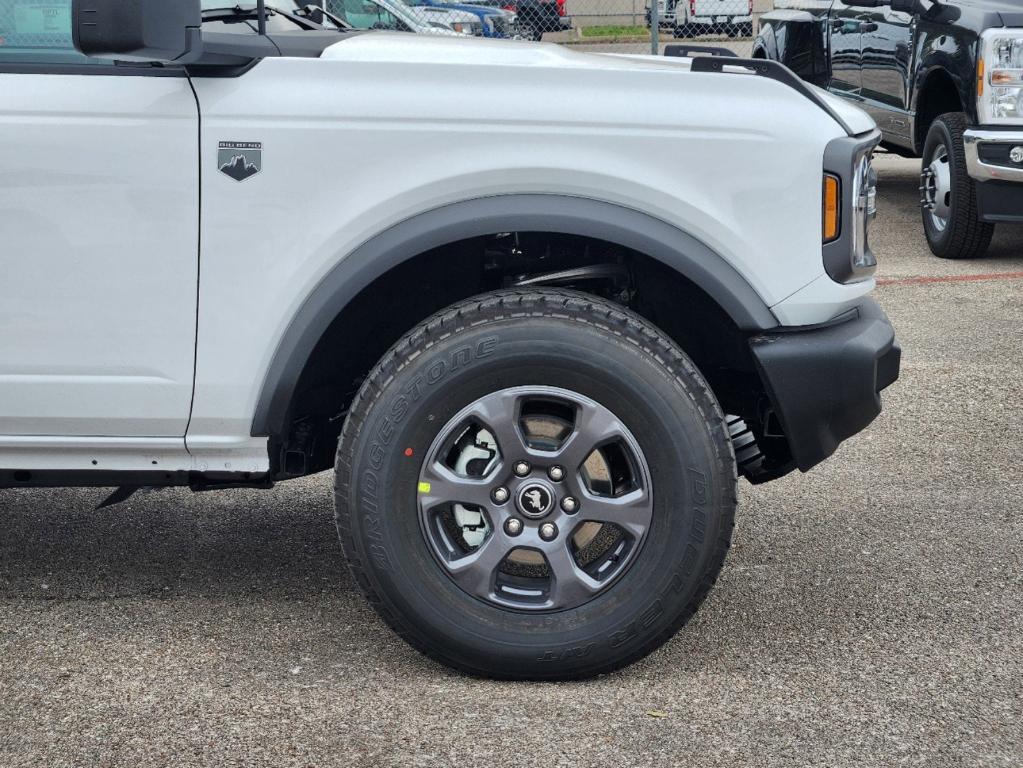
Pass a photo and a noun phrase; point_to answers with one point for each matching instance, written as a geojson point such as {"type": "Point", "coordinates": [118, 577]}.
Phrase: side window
{"type": "Point", "coordinates": [365, 14]}
{"type": "Point", "coordinates": [38, 32]}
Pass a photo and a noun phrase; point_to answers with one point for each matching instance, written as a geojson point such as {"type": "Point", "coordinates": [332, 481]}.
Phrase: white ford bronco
{"type": "Point", "coordinates": [241, 246]}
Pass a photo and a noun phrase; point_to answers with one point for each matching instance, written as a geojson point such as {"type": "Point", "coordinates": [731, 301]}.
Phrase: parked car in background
{"type": "Point", "coordinates": [690, 18]}
{"type": "Point", "coordinates": [943, 80]}
{"type": "Point", "coordinates": [395, 16]}
{"type": "Point", "coordinates": [535, 17]}
{"type": "Point", "coordinates": [665, 14]}
{"type": "Point", "coordinates": [495, 22]}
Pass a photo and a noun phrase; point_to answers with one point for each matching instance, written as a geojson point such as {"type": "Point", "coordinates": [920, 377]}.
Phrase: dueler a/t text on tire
{"type": "Point", "coordinates": [535, 485]}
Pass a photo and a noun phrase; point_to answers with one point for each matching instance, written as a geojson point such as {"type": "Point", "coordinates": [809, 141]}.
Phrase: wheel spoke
{"type": "Point", "coordinates": [594, 426]}
{"type": "Point", "coordinates": [632, 511]}
{"type": "Point", "coordinates": [570, 584]}
{"type": "Point", "coordinates": [442, 486]}
{"type": "Point", "coordinates": [475, 571]}
{"type": "Point", "coordinates": [499, 413]}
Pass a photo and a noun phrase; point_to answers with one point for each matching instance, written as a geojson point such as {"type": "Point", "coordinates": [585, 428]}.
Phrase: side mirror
{"type": "Point", "coordinates": [139, 30]}
{"type": "Point", "coordinates": [906, 6]}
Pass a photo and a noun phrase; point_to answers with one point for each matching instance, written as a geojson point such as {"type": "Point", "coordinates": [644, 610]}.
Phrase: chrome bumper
{"type": "Point", "coordinates": [982, 171]}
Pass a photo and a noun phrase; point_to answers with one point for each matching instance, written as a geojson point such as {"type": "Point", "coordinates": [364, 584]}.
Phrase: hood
{"type": "Point", "coordinates": [858, 120]}
{"type": "Point", "coordinates": [404, 49]}
{"type": "Point", "coordinates": [399, 48]}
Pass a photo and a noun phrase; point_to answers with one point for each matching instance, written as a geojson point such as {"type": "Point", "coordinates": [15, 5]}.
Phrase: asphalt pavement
{"type": "Point", "coordinates": [869, 613]}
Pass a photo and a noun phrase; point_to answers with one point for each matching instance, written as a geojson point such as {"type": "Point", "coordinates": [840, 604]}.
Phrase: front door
{"type": "Point", "coordinates": [886, 63]}
{"type": "Point", "coordinates": [844, 32]}
{"type": "Point", "coordinates": [99, 205]}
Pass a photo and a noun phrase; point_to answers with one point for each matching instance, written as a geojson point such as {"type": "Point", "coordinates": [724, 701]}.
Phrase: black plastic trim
{"type": "Point", "coordinates": [1000, 201]}
{"type": "Point", "coordinates": [772, 70]}
{"type": "Point", "coordinates": [507, 213]}
{"type": "Point", "coordinates": [89, 478]}
{"type": "Point", "coordinates": [683, 50]}
{"type": "Point", "coordinates": [94, 70]}
{"type": "Point", "coordinates": [826, 383]}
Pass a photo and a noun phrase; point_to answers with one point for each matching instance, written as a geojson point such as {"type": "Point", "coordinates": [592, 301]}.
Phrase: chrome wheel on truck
{"type": "Point", "coordinates": [535, 485]}
{"type": "Point", "coordinates": [948, 196]}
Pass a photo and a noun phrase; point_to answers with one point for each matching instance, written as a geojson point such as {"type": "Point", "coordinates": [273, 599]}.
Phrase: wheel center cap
{"type": "Point", "coordinates": [535, 500]}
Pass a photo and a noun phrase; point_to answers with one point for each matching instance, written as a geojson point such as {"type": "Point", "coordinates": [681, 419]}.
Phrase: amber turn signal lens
{"type": "Point", "coordinates": [980, 76]}
{"type": "Point", "coordinates": [831, 208]}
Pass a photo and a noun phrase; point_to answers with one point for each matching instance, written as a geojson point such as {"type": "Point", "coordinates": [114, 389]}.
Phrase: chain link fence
{"type": "Point", "coordinates": [606, 26]}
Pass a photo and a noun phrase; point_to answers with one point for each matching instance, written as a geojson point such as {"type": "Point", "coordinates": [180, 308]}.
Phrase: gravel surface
{"type": "Point", "coordinates": [869, 613]}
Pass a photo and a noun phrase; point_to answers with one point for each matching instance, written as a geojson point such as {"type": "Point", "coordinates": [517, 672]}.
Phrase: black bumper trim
{"type": "Point", "coordinates": [1000, 200]}
{"type": "Point", "coordinates": [825, 383]}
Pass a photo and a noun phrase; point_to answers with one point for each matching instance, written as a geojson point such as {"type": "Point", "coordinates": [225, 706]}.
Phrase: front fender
{"type": "Point", "coordinates": [504, 213]}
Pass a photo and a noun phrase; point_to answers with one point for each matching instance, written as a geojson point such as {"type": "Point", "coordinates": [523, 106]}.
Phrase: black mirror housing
{"type": "Point", "coordinates": [138, 30]}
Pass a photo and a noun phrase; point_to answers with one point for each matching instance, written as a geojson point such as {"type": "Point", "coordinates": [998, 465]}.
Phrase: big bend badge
{"type": "Point", "coordinates": [240, 160]}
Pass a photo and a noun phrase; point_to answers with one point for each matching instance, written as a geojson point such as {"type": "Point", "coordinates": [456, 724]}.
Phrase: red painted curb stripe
{"type": "Point", "coordinates": [951, 278]}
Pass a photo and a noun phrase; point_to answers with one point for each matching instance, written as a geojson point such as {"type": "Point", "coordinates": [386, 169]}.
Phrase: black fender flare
{"type": "Point", "coordinates": [473, 218]}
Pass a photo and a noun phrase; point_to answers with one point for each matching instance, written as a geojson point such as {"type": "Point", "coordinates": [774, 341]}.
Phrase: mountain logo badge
{"type": "Point", "coordinates": [240, 160]}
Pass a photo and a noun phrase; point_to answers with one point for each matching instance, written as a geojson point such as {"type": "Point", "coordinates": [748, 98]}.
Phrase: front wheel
{"type": "Point", "coordinates": [948, 195]}
{"type": "Point", "coordinates": [535, 485]}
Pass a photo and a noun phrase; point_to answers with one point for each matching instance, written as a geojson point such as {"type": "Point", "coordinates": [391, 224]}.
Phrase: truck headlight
{"type": "Point", "coordinates": [468, 27]}
{"type": "Point", "coordinates": [849, 205]}
{"type": "Point", "coordinates": [864, 204]}
{"type": "Point", "coordinates": [1000, 77]}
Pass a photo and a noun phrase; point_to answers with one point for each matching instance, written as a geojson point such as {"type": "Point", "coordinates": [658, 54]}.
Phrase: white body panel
{"type": "Point", "coordinates": [343, 142]}
{"type": "Point", "coordinates": [98, 321]}
{"type": "Point", "coordinates": [99, 255]}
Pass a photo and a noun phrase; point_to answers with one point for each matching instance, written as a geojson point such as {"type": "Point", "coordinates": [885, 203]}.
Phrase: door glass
{"type": "Point", "coordinates": [38, 32]}
{"type": "Point", "coordinates": [365, 14]}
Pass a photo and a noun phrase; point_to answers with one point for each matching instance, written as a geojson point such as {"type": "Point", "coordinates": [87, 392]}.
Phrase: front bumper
{"type": "Point", "coordinates": [825, 382]}
{"type": "Point", "coordinates": [1000, 179]}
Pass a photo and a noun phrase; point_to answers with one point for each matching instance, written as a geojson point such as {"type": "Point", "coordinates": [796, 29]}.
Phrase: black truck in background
{"type": "Point", "coordinates": [943, 79]}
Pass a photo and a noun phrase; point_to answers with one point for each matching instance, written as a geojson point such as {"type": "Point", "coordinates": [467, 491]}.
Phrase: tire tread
{"type": "Point", "coordinates": [580, 307]}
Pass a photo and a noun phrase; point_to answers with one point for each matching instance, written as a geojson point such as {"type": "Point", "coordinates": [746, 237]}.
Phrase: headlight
{"type": "Point", "coordinates": [848, 206]}
{"type": "Point", "coordinates": [1000, 76]}
{"type": "Point", "coordinates": [864, 201]}
{"type": "Point", "coordinates": [468, 27]}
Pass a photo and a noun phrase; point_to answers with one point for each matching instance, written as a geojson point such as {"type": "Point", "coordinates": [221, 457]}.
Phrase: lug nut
{"type": "Point", "coordinates": [513, 526]}
{"type": "Point", "coordinates": [521, 468]}
{"type": "Point", "coordinates": [557, 474]}
{"type": "Point", "coordinates": [548, 531]}
{"type": "Point", "coordinates": [500, 495]}
{"type": "Point", "coordinates": [570, 505]}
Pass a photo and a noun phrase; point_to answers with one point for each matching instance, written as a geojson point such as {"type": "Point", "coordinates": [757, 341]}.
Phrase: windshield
{"type": "Point", "coordinates": [226, 16]}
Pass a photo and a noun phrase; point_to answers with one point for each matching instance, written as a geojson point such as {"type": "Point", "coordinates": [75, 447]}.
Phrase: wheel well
{"type": "Point", "coordinates": [413, 291]}
{"type": "Point", "coordinates": [938, 95]}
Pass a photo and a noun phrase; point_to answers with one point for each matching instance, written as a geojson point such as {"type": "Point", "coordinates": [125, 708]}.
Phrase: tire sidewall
{"type": "Point", "coordinates": [939, 134]}
{"type": "Point", "coordinates": [674, 434]}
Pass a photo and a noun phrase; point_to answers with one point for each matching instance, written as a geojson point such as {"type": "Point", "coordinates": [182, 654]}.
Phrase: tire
{"type": "Point", "coordinates": [572, 348]}
{"type": "Point", "coordinates": [684, 31]}
{"type": "Point", "coordinates": [951, 217]}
